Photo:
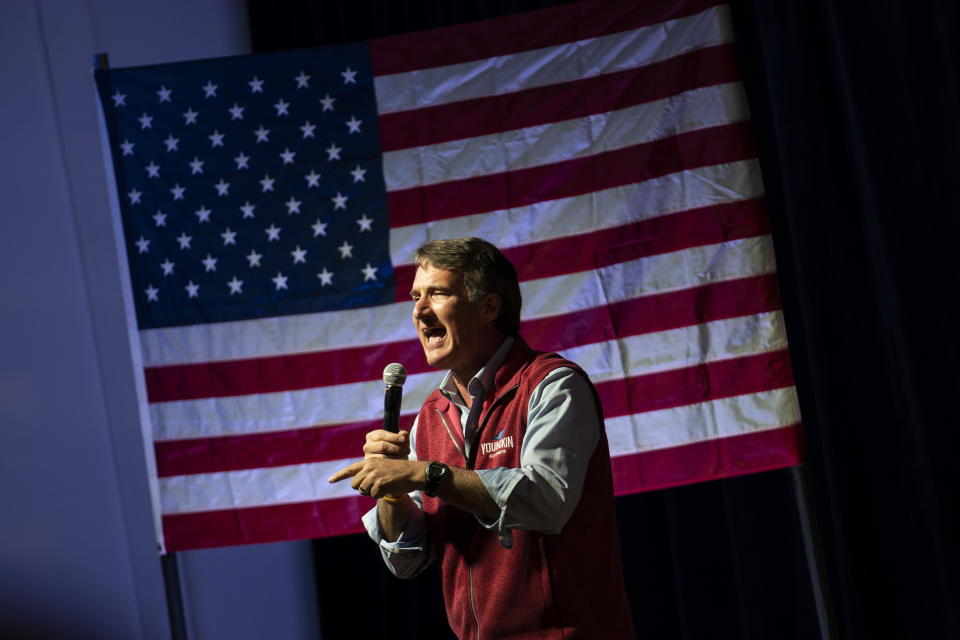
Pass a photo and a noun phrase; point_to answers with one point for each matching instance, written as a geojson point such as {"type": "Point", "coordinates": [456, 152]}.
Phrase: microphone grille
{"type": "Point", "coordinates": [394, 375]}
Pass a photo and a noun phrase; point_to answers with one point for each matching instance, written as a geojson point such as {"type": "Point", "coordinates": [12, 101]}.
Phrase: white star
{"type": "Point", "coordinates": [127, 147]}
{"type": "Point", "coordinates": [247, 209]}
{"type": "Point", "coordinates": [358, 174]}
{"type": "Point", "coordinates": [287, 155]}
{"type": "Point", "coordinates": [216, 139]}
{"type": "Point", "coordinates": [346, 250]}
{"type": "Point", "coordinates": [293, 206]}
{"type": "Point", "coordinates": [369, 273]}
{"type": "Point", "coordinates": [366, 224]}
{"type": "Point", "coordinates": [171, 143]}
{"type": "Point", "coordinates": [177, 191]}
{"type": "Point", "coordinates": [333, 152]}
{"type": "Point", "coordinates": [339, 201]}
{"type": "Point", "coordinates": [273, 232]}
{"type": "Point", "coordinates": [222, 187]}
{"type": "Point", "coordinates": [146, 122]}
{"type": "Point", "coordinates": [164, 94]}
{"type": "Point", "coordinates": [153, 170]}
{"type": "Point", "coordinates": [196, 166]}
{"type": "Point", "coordinates": [184, 240]}
{"type": "Point", "coordinates": [327, 102]}
{"type": "Point", "coordinates": [190, 116]}
{"type": "Point", "coordinates": [254, 258]}
{"type": "Point", "coordinates": [307, 129]}
{"type": "Point", "coordinates": [302, 80]}
{"type": "Point", "coordinates": [151, 292]}
{"type": "Point", "coordinates": [229, 237]}
{"type": "Point", "coordinates": [280, 281]}
{"type": "Point", "coordinates": [236, 286]}
{"type": "Point", "coordinates": [281, 108]}
{"type": "Point", "coordinates": [313, 179]}
{"type": "Point", "coordinates": [236, 112]}
{"type": "Point", "coordinates": [160, 218]}
{"type": "Point", "coordinates": [262, 134]}
{"type": "Point", "coordinates": [241, 159]}
{"type": "Point", "coordinates": [134, 196]}
{"type": "Point", "coordinates": [326, 277]}
{"type": "Point", "coordinates": [119, 99]}
{"type": "Point", "coordinates": [299, 255]}
{"type": "Point", "coordinates": [203, 214]}
{"type": "Point", "coordinates": [319, 228]}
{"type": "Point", "coordinates": [192, 289]}
{"type": "Point", "coordinates": [167, 267]}
{"type": "Point", "coordinates": [256, 85]}
{"type": "Point", "coordinates": [349, 76]}
{"type": "Point", "coordinates": [353, 124]}
{"type": "Point", "coordinates": [210, 89]}
{"type": "Point", "coordinates": [209, 263]}
{"type": "Point", "coordinates": [267, 183]}
{"type": "Point", "coordinates": [142, 245]}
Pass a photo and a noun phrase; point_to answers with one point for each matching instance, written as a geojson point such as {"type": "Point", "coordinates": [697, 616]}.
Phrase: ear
{"type": "Point", "coordinates": [490, 308]}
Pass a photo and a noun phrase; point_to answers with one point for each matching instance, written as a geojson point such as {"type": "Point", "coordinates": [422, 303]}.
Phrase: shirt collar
{"type": "Point", "coordinates": [483, 379]}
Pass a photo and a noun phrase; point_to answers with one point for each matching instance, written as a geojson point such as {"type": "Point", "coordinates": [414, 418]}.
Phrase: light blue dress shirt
{"type": "Point", "coordinates": [562, 432]}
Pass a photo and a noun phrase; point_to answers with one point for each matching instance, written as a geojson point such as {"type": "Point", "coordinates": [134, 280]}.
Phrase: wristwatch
{"type": "Point", "coordinates": [437, 472]}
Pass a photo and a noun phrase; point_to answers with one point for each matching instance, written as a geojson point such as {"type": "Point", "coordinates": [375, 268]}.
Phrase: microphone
{"type": "Point", "coordinates": [394, 375]}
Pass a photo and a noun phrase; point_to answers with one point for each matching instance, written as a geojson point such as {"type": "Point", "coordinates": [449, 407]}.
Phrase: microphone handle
{"type": "Point", "coordinates": [392, 396]}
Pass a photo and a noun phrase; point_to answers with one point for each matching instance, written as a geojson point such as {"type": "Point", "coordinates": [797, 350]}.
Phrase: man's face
{"type": "Point", "coordinates": [449, 325]}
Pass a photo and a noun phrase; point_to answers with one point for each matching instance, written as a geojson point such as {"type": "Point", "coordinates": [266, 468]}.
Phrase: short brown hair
{"type": "Point", "coordinates": [484, 270]}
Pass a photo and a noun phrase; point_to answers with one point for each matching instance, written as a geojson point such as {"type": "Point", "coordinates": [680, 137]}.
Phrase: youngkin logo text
{"type": "Point", "coordinates": [496, 447]}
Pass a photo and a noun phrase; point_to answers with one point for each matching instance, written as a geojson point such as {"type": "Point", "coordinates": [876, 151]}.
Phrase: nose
{"type": "Point", "coordinates": [420, 308]}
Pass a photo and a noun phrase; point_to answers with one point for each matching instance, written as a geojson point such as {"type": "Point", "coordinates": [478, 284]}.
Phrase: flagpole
{"type": "Point", "coordinates": [814, 551]}
{"type": "Point", "coordinates": [168, 561]}
{"type": "Point", "coordinates": [171, 583]}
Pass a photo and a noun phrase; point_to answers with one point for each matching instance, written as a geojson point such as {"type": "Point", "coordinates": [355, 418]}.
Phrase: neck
{"type": "Point", "coordinates": [463, 375]}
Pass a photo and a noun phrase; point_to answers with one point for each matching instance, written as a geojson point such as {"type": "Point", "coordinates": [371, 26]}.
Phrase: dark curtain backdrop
{"type": "Point", "coordinates": [855, 109]}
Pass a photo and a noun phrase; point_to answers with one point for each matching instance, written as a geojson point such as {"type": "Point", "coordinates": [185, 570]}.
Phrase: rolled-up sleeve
{"type": "Point", "coordinates": [410, 553]}
{"type": "Point", "coordinates": [563, 429]}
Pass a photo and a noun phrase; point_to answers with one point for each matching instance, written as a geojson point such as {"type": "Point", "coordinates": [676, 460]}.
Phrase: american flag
{"type": "Point", "coordinates": [271, 205]}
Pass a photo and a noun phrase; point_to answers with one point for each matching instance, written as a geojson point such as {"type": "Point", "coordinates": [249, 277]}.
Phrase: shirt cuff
{"type": "Point", "coordinates": [412, 539]}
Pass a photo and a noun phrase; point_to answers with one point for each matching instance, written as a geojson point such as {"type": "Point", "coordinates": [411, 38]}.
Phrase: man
{"type": "Point", "coordinates": [509, 486]}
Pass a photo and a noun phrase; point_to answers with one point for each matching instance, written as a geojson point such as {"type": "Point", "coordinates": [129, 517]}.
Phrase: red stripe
{"type": "Point", "coordinates": [325, 368]}
{"type": "Point", "coordinates": [316, 519]}
{"type": "Point", "coordinates": [707, 381]}
{"type": "Point", "coordinates": [563, 101]}
{"type": "Point", "coordinates": [605, 247]}
{"type": "Point", "coordinates": [710, 460]}
{"type": "Point", "coordinates": [699, 383]}
{"type": "Point", "coordinates": [701, 148]}
{"type": "Point", "coordinates": [661, 312]}
{"type": "Point", "coordinates": [651, 470]}
{"type": "Point", "coordinates": [521, 32]}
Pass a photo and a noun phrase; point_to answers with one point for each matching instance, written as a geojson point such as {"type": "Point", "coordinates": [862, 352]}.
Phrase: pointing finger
{"type": "Point", "coordinates": [346, 472]}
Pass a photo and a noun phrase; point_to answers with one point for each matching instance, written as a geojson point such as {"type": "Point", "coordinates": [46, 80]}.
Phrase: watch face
{"type": "Point", "coordinates": [436, 472]}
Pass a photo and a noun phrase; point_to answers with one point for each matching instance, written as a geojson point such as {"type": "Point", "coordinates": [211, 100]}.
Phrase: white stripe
{"type": "Point", "coordinates": [690, 189]}
{"type": "Point", "coordinates": [688, 424]}
{"type": "Point", "coordinates": [565, 140]}
{"type": "Point", "coordinates": [715, 419]}
{"type": "Point", "coordinates": [551, 65]}
{"type": "Point", "coordinates": [391, 323]}
{"type": "Point", "coordinates": [253, 487]}
{"type": "Point", "coordinates": [641, 354]}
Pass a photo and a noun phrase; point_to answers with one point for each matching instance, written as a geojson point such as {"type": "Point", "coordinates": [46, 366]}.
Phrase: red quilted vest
{"type": "Point", "coordinates": [568, 585]}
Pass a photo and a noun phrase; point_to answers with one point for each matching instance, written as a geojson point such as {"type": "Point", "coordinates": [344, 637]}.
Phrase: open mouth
{"type": "Point", "coordinates": [434, 335]}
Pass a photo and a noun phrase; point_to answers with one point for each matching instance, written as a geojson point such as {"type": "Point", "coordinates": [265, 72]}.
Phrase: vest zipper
{"type": "Point", "coordinates": [473, 606]}
{"type": "Point", "coordinates": [456, 444]}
